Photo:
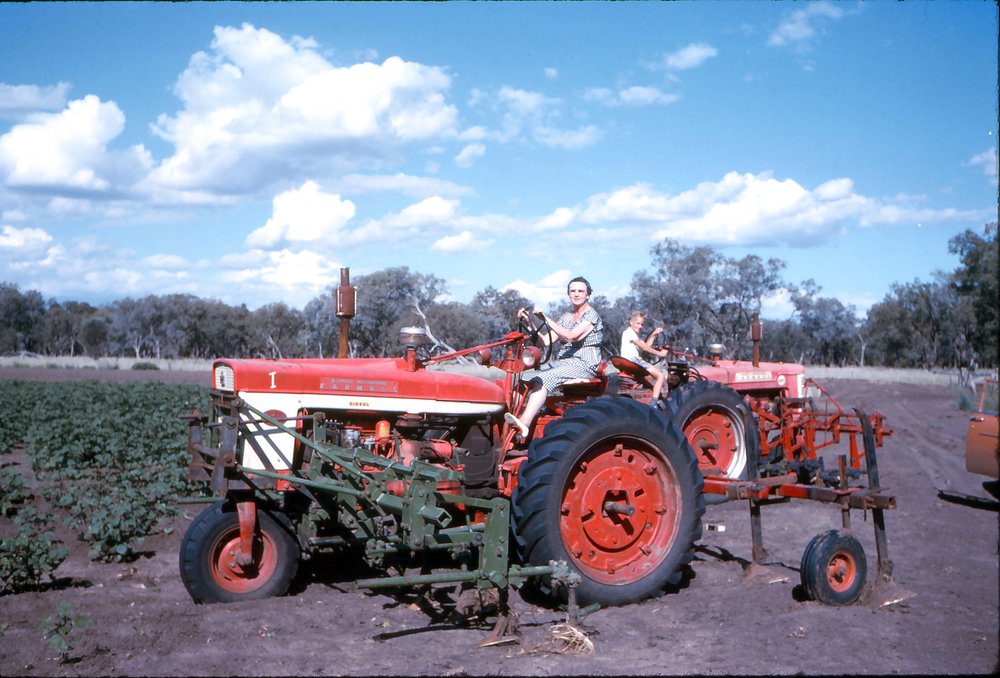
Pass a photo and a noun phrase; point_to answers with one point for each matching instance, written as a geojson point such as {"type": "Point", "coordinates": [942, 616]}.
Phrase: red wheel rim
{"type": "Point", "coordinates": [607, 544]}
{"type": "Point", "coordinates": [236, 578]}
{"type": "Point", "coordinates": [841, 570]}
{"type": "Point", "coordinates": [716, 438]}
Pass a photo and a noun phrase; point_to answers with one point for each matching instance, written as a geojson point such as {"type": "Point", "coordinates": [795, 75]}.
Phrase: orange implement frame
{"type": "Point", "coordinates": [800, 431]}
{"type": "Point", "coordinates": [793, 433]}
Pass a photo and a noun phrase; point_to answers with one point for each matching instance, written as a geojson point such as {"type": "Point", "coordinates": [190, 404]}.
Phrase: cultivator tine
{"type": "Point", "coordinates": [878, 515]}
{"type": "Point", "coordinates": [508, 625]}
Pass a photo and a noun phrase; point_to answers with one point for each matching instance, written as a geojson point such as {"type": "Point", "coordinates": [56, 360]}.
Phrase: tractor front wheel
{"type": "Point", "coordinates": [719, 425]}
{"type": "Point", "coordinates": [614, 490]}
{"type": "Point", "coordinates": [833, 568]}
{"type": "Point", "coordinates": [215, 571]}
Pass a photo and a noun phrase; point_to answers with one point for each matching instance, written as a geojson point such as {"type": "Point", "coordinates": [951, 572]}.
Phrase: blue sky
{"type": "Point", "coordinates": [248, 151]}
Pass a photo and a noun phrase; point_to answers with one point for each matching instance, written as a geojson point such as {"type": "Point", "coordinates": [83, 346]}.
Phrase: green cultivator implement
{"type": "Point", "coordinates": [393, 514]}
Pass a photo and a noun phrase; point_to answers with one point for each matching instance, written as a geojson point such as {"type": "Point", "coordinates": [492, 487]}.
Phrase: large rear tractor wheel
{"type": "Point", "coordinates": [210, 556]}
{"type": "Point", "coordinates": [720, 427]}
{"type": "Point", "coordinates": [614, 490]}
{"type": "Point", "coordinates": [834, 568]}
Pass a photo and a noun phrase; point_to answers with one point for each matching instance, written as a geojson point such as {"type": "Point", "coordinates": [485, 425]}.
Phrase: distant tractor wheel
{"type": "Point", "coordinates": [210, 557]}
{"type": "Point", "coordinates": [834, 568]}
{"type": "Point", "coordinates": [720, 427]}
{"type": "Point", "coordinates": [614, 490]}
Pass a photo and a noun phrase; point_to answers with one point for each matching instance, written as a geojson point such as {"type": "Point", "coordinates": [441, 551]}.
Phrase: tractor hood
{"type": "Point", "coordinates": [360, 383]}
{"type": "Point", "coordinates": [741, 375]}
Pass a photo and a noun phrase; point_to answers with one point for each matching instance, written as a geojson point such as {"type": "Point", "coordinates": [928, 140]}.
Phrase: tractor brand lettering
{"type": "Point", "coordinates": [358, 385]}
{"type": "Point", "coordinates": [271, 374]}
{"type": "Point", "coordinates": [358, 403]}
{"type": "Point", "coordinates": [753, 376]}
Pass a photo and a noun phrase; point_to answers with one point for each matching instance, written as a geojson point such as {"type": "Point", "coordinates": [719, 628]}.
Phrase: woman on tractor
{"type": "Point", "coordinates": [582, 332]}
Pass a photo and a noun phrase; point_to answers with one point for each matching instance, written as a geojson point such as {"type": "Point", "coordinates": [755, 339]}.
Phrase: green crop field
{"type": "Point", "coordinates": [104, 461]}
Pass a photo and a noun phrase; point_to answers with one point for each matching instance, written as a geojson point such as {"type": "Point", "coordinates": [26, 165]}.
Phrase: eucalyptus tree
{"type": "Point", "coordinates": [703, 297]}
{"type": "Point", "coordinates": [386, 302]}
{"type": "Point", "coordinates": [976, 281]}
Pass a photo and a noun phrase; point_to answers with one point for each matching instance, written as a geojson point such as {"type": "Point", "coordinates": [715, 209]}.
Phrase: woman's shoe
{"type": "Point", "coordinates": [514, 421]}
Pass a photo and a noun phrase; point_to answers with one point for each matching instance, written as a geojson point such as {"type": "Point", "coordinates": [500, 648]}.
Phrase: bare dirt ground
{"type": "Point", "coordinates": [938, 616]}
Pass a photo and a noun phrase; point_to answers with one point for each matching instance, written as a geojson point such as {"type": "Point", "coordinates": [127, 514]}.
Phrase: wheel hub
{"type": "Point", "coordinates": [840, 572]}
{"type": "Point", "coordinates": [618, 513]}
{"type": "Point", "coordinates": [714, 439]}
{"type": "Point", "coordinates": [238, 572]}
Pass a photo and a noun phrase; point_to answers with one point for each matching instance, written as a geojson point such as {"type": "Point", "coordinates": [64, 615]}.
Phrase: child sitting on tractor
{"type": "Point", "coordinates": [632, 344]}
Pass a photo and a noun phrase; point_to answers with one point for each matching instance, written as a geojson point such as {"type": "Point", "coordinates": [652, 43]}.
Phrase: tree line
{"type": "Point", "coordinates": [698, 296]}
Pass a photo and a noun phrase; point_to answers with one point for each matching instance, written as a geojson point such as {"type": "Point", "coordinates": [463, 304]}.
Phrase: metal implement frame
{"type": "Point", "coordinates": [782, 488]}
{"type": "Point", "coordinates": [354, 484]}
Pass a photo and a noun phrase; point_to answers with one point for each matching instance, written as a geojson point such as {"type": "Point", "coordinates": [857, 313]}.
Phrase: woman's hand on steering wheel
{"type": "Point", "coordinates": [526, 325]}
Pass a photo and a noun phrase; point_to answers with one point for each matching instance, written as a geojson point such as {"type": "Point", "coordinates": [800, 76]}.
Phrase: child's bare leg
{"type": "Point", "coordinates": [658, 385]}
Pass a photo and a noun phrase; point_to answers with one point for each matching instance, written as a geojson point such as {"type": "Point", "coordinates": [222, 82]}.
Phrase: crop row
{"type": "Point", "coordinates": [104, 460]}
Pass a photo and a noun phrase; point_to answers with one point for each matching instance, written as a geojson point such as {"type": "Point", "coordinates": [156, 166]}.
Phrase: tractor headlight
{"type": "Point", "coordinates": [531, 357]}
{"type": "Point", "coordinates": [412, 336]}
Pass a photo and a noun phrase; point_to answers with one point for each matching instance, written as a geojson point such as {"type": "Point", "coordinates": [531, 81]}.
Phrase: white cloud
{"type": "Point", "coordinates": [302, 215]}
{"type": "Point", "coordinates": [748, 209]}
{"type": "Point", "coordinates": [643, 96]}
{"type": "Point", "coordinates": [412, 221]}
{"type": "Point", "coordinates": [777, 305]}
{"type": "Point", "coordinates": [433, 210]}
{"type": "Point", "coordinates": [17, 101]}
{"type": "Point", "coordinates": [23, 239]}
{"type": "Point", "coordinates": [568, 139]}
{"type": "Point", "coordinates": [550, 289]}
{"type": "Point", "coordinates": [474, 133]}
{"type": "Point", "coordinates": [293, 277]}
{"type": "Point", "coordinates": [396, 100]}
{"type": "Point", "coordinates": [551, 73]}
{"type": "Point", "coordinates": [834, 189]}
{"type": "Point", "coordinates": [166, 261]}
{"type": "Point", "coordinates": [406, 184]}
{"type": "Point", "coordinates": [800, 28]}
{"type": "Point", "coordinates": [468, 155]}
{"type": "Point", "coordinates": [523, 102]}
{"type": "Point", "coordinates": [68, 152]}
{"type": "Point", "coordinates": [987, 160]}
{"type": "Point", "coordinates": [559, 219]}
{"type": "Point", "coordinates": [461, 242]}
{"type": "Point", "coordinates": [688, 57]}
{"type": "Point", "coordinates": [30, 251]}
{"type": "Point", "coordinates": [630, 96]}
{"type": "Point", "coordinates": [532, 115]}
{"type": "Point", "coordinates": [86, 266]}
{"type": "Point", "coordinates": [258, 106]}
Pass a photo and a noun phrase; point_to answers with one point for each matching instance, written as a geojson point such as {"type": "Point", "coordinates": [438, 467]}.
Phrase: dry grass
{"type": "Point", "coordinates": [887, 375]}
{"type": "Point", "coordinates": [84, 363]}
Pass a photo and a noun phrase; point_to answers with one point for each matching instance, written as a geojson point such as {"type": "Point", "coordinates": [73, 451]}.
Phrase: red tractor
{"type": "Point", "coordinates": [411, 467]}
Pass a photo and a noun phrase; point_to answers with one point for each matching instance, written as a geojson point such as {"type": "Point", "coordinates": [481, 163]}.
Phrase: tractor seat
{"type": "Point", "coordinates": [587, 385]}
{"type": "Point", "coordinates": [637, 373]}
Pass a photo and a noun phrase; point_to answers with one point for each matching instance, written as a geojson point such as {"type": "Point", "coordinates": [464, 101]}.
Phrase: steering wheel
{"type": "Point", "coordinates": [658, 343]}
{"type": "Point", "coordinates": [549, 342]}
{"type": "Point", "coordinates": [533, 334]}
